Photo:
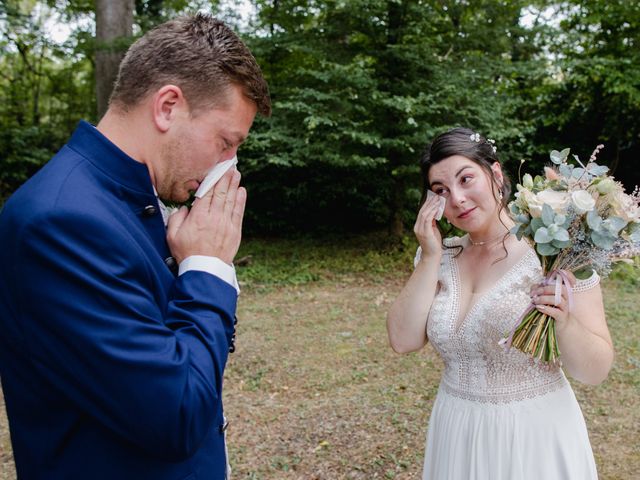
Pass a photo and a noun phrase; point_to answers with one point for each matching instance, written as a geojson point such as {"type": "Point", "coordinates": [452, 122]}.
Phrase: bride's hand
{"type": "Point", "coordinates": [543, 297]}
{"type": "Point", "coordinates": [426, 229]}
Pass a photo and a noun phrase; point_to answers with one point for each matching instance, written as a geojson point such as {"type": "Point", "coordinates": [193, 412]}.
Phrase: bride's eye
{"type": "Point", "coordinates": [466, 179]}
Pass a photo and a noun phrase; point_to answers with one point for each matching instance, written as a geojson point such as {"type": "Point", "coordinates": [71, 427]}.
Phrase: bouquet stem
{"type": "Point", "coordinates": [536, 335]}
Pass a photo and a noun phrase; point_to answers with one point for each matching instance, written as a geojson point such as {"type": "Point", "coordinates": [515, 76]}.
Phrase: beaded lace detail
{"type": "Point", "coordinates": [586, 284]}
{"type": "Point", "coordinates": [476, 367]}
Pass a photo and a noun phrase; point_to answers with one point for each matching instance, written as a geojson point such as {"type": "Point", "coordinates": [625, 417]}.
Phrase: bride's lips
{"type": "Point", "coordinates": [466, 213]}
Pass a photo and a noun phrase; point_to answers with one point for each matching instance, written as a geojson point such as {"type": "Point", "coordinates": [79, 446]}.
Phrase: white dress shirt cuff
{"type": "Point", "coordinates": [212, 265]}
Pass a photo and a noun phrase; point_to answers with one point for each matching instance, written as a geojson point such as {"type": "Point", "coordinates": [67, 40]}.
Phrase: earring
{"type": "Point", "coordinates": [500, 194]}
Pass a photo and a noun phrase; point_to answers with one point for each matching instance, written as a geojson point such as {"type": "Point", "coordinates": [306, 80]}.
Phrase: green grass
{"type": "Point", "coordinates": [278, 262]}
{"type": "Point", "coordinates": [314, 391]}
{"type": "Point", "coordinates": [334, 402]}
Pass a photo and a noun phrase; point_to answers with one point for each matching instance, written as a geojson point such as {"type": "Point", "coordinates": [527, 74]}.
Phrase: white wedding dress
{"type": "Point", "coordinates": [499, 415]}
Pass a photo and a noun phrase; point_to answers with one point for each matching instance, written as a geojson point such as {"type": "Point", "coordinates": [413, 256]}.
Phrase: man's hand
{"type": "Point", "coordinates": [213, 226]}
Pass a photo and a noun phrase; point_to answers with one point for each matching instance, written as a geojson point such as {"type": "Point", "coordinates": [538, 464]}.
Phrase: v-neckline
{"type": "Point", "coordinates": [459, 322]}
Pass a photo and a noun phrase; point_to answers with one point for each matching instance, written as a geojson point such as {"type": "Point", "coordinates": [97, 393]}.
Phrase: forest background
{"type": "Point", "coordinates": [359, 88]}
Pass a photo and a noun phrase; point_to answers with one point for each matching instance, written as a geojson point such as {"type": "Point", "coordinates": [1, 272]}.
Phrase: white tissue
{"type": "Point", "coordinates": [214, 175]}
{"type": "Point", "coordinates": [442, 200]}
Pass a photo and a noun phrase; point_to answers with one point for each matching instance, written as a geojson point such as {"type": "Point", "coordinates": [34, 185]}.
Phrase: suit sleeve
{"type": "Point", "coordinates": [103, 337]}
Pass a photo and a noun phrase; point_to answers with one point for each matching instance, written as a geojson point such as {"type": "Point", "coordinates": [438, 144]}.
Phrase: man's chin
{"type": "Point", "coordinates": [183, 197]}
{"type": "Point", "coordinates": [177, 197]}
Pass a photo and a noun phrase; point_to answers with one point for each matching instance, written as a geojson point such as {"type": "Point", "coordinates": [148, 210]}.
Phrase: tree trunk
{"type": "Point", "coordinates": [114, 22]}
{"type": "Point", "coordinates": [396, 224]}
{"type": "Point", "coordinates": [392, 68]}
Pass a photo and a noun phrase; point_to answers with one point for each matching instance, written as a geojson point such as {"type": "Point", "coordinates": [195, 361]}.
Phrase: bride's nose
{"type": "Point", "coordinates": [456, 197]}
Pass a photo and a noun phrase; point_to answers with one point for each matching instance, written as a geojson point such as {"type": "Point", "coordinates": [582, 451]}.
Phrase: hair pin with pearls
{"type": "Point", "coordinates": [475, 137]}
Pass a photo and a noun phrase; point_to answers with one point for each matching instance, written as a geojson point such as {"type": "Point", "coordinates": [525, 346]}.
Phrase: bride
{"type": "Point", "coordinates": [498, 414]}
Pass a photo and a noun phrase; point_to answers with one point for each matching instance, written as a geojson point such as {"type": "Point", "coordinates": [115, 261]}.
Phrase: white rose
{"type": "Point", "coordinates": [625, 207]}
{"type": "Point", "coordinates": [528, 201]}
{"type": "Point", "coordinates": [558, 201]}
{"type": "Point", "coordinates": [583, 201]}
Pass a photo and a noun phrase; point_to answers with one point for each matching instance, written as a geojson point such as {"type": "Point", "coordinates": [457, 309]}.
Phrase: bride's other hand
{"type": "Point", "coordinates": [544, 298]}
{"type": "Point", "coordinates": [426, 230]}
{"type": "Point", "coordinates": [583, 335]}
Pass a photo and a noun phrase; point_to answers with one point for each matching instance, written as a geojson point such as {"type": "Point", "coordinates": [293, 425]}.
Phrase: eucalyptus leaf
{"type": "Point", "coordinates": [565, 170]}
{"type": "Point", "coordinates": [561, 235]}
{"type": "Point", "coordinates": [546, 249]}
{"type": "Point", "coordinates": [559, 157]}
{"type": "Point", "coordinates": [560, 243]}
{"type": "Point", "coordinates": [542, 236]}
{"type": "Point", "coordinates": [519, 231]}
{"type": "Point", "coordinates": [614, 224]}
{"type": "Point", "coordinates": [528, 232]}
{"type": "Point", "coordinates": [593, 220]}
{"type": "Point", "coordinates": [536, 223]}
{"type": "Point", "coordinates": [634, 229]}
{"type": "Point", "coordinates": [602, 240]}
{"type": "Point", "coordinates": [598, 170]}
{"type": "Point", "coordinates": [577, 172]}
{"type": "Point", "coordinates": [547, 215]}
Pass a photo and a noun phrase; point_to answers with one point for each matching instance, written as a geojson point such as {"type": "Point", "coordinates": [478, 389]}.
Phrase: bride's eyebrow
{"type": "Point", "coordinates": [440, 182]}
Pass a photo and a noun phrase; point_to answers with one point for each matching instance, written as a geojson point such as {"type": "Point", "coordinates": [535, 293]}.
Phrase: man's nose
{"type": "Point", "coordinates": [230, 154]}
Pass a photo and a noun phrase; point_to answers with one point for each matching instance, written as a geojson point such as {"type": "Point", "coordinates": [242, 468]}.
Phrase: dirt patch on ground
{"type": "Point", "coordinates": [314, 391]}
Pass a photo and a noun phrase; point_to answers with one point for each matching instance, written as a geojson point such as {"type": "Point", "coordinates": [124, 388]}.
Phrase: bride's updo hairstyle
{"type": "Point", "coordinates": [478, 149]}
{"type": "Point", "coordinates": [469, 144]}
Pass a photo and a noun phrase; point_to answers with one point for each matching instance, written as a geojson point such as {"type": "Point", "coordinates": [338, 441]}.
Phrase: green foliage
{"type": "Point", "coordinates": [594, 95]}
{"type": "Point", "coordinates": [627, 273]}
{"type": "Point", "coordinates": [45, 89]}
{"type": "Point", "coordinates": [359, 88]}
{"type": "Point", "coordinates": [304, 259]}
{"type": "Point", "coordinates": [365, 85]}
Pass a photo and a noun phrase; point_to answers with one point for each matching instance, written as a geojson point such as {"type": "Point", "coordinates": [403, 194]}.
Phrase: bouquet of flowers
{"type": "Point", "coordinates": [579, 219]}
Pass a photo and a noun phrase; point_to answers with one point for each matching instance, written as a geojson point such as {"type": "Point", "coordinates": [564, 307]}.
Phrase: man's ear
{"type": "Point", "coordinates": [168, 103]}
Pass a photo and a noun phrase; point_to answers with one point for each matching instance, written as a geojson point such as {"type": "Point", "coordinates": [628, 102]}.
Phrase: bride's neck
{"type": "Point", "coordinates": [494, 232]}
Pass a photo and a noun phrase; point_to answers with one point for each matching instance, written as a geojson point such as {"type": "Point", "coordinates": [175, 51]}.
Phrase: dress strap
{"type": "Point", "coordinates": [587, 283]}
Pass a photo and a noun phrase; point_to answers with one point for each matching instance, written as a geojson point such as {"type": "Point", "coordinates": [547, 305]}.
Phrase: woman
{"type": "Point", "coordinates": [498, 414]}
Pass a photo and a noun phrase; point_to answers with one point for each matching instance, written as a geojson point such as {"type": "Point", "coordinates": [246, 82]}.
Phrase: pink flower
{"type": "Point", "coordinates": [595, 153]}
{"type": "Point", "coordinates": [551, 173]}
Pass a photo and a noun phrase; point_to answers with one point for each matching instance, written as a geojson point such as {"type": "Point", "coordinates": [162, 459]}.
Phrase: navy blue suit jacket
{"type": "Point", "coordinates": [111, 366]}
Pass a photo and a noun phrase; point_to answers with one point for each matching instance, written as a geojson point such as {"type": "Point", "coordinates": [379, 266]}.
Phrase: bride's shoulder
{"type": "Point", "coordinates": [525, 260]}
{"type": "Point", "coordinates": [521, 248]}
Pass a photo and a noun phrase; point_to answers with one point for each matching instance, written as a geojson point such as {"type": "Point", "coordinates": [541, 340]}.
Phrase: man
{"type": "Point", "coordinates": [111, 363]}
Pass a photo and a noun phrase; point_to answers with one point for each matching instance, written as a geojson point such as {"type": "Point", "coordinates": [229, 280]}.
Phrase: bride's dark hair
{"type": "Point", "coordinates": [469, 144]}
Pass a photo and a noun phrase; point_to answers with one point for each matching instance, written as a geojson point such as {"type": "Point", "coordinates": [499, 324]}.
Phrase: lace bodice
{"type": "Point", "coordinates": [476, 366]}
